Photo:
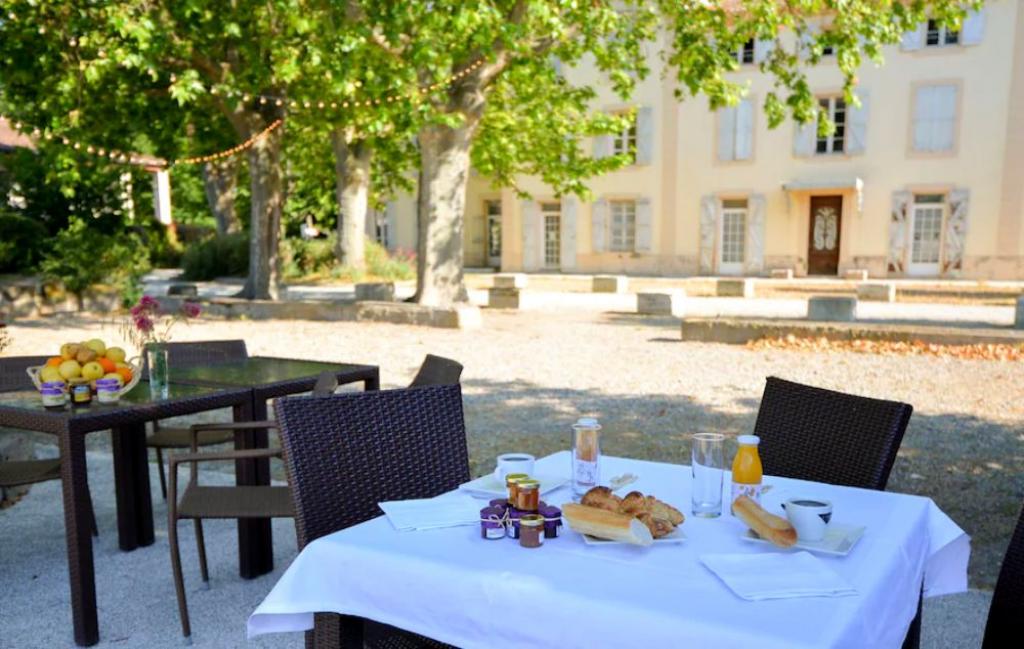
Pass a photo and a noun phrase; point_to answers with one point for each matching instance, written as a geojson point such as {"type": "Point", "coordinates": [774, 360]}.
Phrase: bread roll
{"type": "Point", "coordinates": [775, 529]}
{"type": "Point", "coordinates": [606, 525]}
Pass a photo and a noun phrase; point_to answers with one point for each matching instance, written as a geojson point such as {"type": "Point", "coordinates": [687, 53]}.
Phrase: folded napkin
{"type": "Point", "coordinates": [777, 576]}
{"type": "Point", "coordinates": [448, 510]}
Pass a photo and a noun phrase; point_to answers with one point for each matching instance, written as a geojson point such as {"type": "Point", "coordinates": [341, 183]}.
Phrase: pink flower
{"type": "Point", "coordinates": [149, 302]}
{"type": "Point", "coordinates": [191, 309]}
{"type": "Point", "coordinates": [144, 323]}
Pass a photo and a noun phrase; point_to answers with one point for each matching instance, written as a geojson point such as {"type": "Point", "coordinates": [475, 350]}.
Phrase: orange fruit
{"type": "Point", "coordinates": [125, 373]}
{"type": "Point", "coordinates": [55, 361]}
{"type": "Point", "coordinates": [108, 365]}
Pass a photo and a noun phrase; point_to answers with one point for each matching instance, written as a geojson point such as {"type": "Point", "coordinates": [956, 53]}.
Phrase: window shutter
{"type": "Point", "coordinates": [644, 135]}
{"type": "Point", "coordinates": [973, 28]}
{"type": "Point", "coordinates": [898, 231]}
{"type": "Point", "coordinates": [956, 231]}
{"type": "Point", "coordinates": [599, 225]}
{"type": "Point", "coordinates": [914, 39]}
{"type": "Point", "coordinates": [531, 235]}
{"type": "Point", "coordinates": [744, 130]}
{"type": "Point", "coordinates": [755, 233]}
{"type": "Point", "coordinates": [642, 235]}
{"type": "Point", "coordinates": [762, 49]}
{"type": "Point", "coordinates": [858, 127]}
{"type": "Point", "coordinates": [727, 133]}
{"type": "Point", "coordinates": [804, 138]}
{"type": "Point", "coordinates": [568, 233]}
{"type": "Point", "coordinates": [602, 146]}
{"type": "Point", "coordinates": [708, 229]}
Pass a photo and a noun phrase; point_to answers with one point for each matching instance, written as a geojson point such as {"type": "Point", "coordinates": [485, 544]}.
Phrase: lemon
{"type": "Point", "coordinates": [92, 371]}
{"type": "Point", "coordinates": [97, 346]}
{"type": "Point", "coordinates": [50, 373]}
{"type": "Point", "coordinates": [116, 354]}
{"type": "Point", "coordinates": [70, 369]}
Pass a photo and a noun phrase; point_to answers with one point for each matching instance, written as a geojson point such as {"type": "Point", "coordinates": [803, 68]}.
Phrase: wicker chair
{"type": "Point", "coordinates": [199, 502]}
{"type": "Point", "coordinates": [373, 446]}
{"type": "Point", "coordinates": [437, 370]}
{"type": "Point", "coordinates": [1006, 615]}
{"type": "Point", "coordinates": [816, 434]}
{"type": "Point", "coordinates": [206, 352]}
{"type": "Point", "coordinates": [21, 473]}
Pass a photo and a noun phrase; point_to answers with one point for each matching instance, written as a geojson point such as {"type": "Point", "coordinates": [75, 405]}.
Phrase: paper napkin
{"type": "Point", "coordinates": [777, 576]}
{"type": "Point", "coordinates": [448, 510]}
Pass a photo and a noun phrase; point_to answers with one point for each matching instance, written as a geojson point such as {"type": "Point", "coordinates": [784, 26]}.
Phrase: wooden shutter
{"type": "Point", "coordinates": [727, 133]}
{"type": "Point", "coordinates": [956, 231]}
{"type": "Point", "coordinates": [754, 262]}
{"type": "Point", "coordinates": [914, 39]}
{"type": "Point", "coordinates": [532, 246]}
{"type": "Point", "coordinates": [804, 139]}
{"type": "Point", "coordinates": [568, 233]}
{"type": "Point", "coordinates": [744, 130]}
{"type": "Point", "coordinates": [973, 28]}
{"type": "Point", "coordinates": [642, 235]}
{"type": "Point", "coordinates": [602, 146]}
{"type": "Point", "coordinates": [708, 232]}
{"type": "Point", "coordinates": [898, 231]}
{"type": "Point", "coordinates": [599, 226]}
{"type": "Point", "coordinates": [858, 124]}
{"type": "Point", "coordinates": [762, 49]}
{"type": "Point", "coordinates": [645, 135]}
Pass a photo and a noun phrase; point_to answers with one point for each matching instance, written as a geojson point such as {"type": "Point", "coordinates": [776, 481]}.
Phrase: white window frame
{"type": "Point", "coordinates": [937, 202]}
{"type": "Point", "coordinates": [552, 248]}
{"type": "Point", "coordinates": [944, 36]}
{"type": "Point", "coordinates": [621, 225]}
{"type": "Point", "coordinates": [730, 211]}
{"type": "Point", "coordinates": [934, 123]}
{"type": "Point", "coordinates": [625, 141]}
{"type": "Point", "coordinates": [748, 47]}
{"type": "Point", "coordinates": [839, 135]}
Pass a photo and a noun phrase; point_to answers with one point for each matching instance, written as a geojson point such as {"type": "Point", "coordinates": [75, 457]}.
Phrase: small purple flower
{"type": "Point", "coordinates": [144, 323]}
{"type": "Point", "coordinates": [191, 309]}
{"type": "Point", "coordinates": [149, 302]}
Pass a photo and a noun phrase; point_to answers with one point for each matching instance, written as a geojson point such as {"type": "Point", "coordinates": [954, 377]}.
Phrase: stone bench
{"type": "Point", "coordinates": [375, 292]}
{"type": "Point", "coordinates": [664, 303]}
{"type": "Point", "coordinates": [856, 274]}
{"type": "Point", "coordinates": [1018, 321]}
{"type": "Point", "coordinates": [510, 280]}
{"type": "Point", "coordinates": [832, 308]}
{"type": "Point", "coordinates": [609, 284]}
{"type": "Point", "coordinates": [742, 287]}
{"type": "Point", "coordinates": [503, 298]}
{"type": "Point", "coordinates": [877, 292]}
{"type": "Point", "coordinates": [782, 273]}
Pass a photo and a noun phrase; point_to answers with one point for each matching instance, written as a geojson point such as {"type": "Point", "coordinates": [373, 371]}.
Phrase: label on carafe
{"type": "Point", "coordinates": [752, 491]}
{"type": "Point", "coordinates": [585, 473]}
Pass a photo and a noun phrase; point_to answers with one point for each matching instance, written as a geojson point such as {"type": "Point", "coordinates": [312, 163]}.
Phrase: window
{"type": "Point", "coordinates": [745, 52]}
{"type": "Point", "coordinates": [828, 50]}
{"type": "Point", "coordinates": [624, 142]}
{"type": "Point", "coordinates": [734, 232]}
{"type": "Point", "coordinates": [381, 232]}
{"type": "Point", "coordinates": [935, 118]}
{"type": "Point", "coordinates": [926, 233]}
{"type": "Point", "coordinates": [936, 35]}
{"type": "Point", "coordinates": [835, 109]}
{"type": "Point", "coordinates": [552, 215]}
{"type": "Point", "coordinates": [623, 225]}
{"type": "Point", "coordinates": [493, 209]}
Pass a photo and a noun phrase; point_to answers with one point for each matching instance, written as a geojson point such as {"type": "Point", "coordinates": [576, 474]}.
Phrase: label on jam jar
{"type": "Point", "coordinates": [81, 394]}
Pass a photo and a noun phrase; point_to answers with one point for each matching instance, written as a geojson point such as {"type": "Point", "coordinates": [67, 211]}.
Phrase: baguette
{"type": "Point", "coordinates": [774, 528]}
{"type": "Point", "coordinates": [606, 525]}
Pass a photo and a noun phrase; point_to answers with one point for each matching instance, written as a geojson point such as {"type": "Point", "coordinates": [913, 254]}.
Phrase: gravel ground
{"type": "Point", "coordinates": [528, 376]}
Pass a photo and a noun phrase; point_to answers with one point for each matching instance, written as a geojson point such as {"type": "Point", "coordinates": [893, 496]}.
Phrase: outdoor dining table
{"type": "Point", "coordinates": [452, 585]}
{"type": "Point", "coordinates": [243, 386]}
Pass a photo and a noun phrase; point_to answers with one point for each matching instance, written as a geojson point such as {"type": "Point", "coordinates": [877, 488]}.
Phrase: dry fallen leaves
{"type": "Point", "coordinates": [985, 352]}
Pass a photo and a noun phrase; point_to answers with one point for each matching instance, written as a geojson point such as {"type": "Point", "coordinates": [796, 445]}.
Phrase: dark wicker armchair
{"type": "Point", "coordinates": [437, 370]}
{"type": "Point", "coordinates": [1006, 615]}
{"type": "Point", "coordinates": [205, 352]}
{"type": "Point", "coordinates": [21, 473]}
{"type": "Point", "coordinates": [373, 446]}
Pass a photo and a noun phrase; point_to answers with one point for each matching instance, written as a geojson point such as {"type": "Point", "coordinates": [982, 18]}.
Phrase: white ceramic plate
{"type": "Point", "coordinates": [838, 541]}
{"type": "Point", "coordinates": [676, 536]}
{"type": "Point", "coordinates": [489, 486]}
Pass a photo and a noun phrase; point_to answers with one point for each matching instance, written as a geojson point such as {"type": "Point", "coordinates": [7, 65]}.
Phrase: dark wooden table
{"type": "Point", "coordinates": [265, 378]}
{"type": "Point", "coordinates": [243, 386]}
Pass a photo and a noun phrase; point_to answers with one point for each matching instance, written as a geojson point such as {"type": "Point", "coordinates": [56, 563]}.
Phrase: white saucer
{"type": "Point", "coordinates": [838, 541]}
{"type": "Point", "coordinates": [676, 536]}
{"type": "Point", "coordinates": [489, 486]}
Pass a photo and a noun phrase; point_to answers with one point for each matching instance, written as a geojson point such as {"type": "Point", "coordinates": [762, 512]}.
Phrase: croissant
{"type": "Point", "coordinates": [602, 498]}
{"type": "Point", "coordinates": [664, 511]}
{"type": "Point", "coordinates": [659, 517]}
{"type": "Point", "coordinates": [659, 527]}
{"type": "Point", "coordinates": [634, 503]}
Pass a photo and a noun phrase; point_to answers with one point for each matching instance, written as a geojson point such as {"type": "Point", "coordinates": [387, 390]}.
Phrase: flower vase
{"type": "Point", "coordinates": [156, 362]}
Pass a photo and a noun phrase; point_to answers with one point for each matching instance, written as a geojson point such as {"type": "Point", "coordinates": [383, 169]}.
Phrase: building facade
{"type": "Point", "coordinates": [925, 178]}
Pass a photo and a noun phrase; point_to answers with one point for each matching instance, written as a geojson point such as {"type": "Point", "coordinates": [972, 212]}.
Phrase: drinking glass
{"type": "Point", "coordinates": [708, 465]}
{"type": "Point", "coordinates": [156, 361]}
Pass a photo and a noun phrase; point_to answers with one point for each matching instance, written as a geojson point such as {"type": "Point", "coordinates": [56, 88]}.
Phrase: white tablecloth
{"type": "Point", "coordinates": [453, 586]}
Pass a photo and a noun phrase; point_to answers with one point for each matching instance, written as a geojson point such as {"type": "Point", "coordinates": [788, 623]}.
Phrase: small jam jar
{"type": "Point", "coordinates": [53, 397]}
{"type": "Point", "coordinates": [528, 498]}
{"type": "Point", "coordinates": [492, 523]}
{"type": "Point", "coordinates": [81, 392]}
{"type": "Point", "coordinates": [512, 481]}
{"type": "Point", "coordinates": [108, 390]}
{"type": "Point", "coordinates": [552, 521]}
{"type": "Point", "coordinates": [531, 533]}
{"type": "Point", "coordinates": [514, 516]}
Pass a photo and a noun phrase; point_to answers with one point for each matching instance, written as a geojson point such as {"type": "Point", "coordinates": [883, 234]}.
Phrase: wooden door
{"type": "Point", "coordinates": [823, 240]}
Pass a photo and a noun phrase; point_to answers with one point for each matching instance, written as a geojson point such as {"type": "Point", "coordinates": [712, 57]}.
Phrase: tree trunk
{"type": "Point", "coordinates": [220, 181]}
{"type": "Point", "coordinates": [352, 186]}
{"type": "Point", "coordinates": [444, 173]}
{"type": "Point", "coordinates": [265, 223]}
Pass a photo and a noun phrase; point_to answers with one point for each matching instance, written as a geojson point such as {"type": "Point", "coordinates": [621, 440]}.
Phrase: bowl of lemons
{"type": "Point", "coordinates": [89, 360]}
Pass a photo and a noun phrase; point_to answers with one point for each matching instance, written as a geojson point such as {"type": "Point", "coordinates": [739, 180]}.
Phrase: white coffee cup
{"type": "Point", "coordinates": [809, 517]}
{"type": "Point", "coordinates": [514, 463]}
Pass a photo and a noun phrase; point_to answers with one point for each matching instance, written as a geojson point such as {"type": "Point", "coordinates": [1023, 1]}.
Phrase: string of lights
{"type": "Point", "coordinates": [238, 148]}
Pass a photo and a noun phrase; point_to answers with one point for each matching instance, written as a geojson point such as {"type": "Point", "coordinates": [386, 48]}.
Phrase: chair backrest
{"type": "Point", "coordinates": [346, 452]}
{"type": "Point", "coordinates": [816, 434]}
{"type": "Point", "coordinates": [1006, 615]}
{"type": "Point", "coordinates": [206, 352]}
{"type": "Point", "coordinates": [12, 372]}
{"type": "Point", "coordinates": [437, 370]}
